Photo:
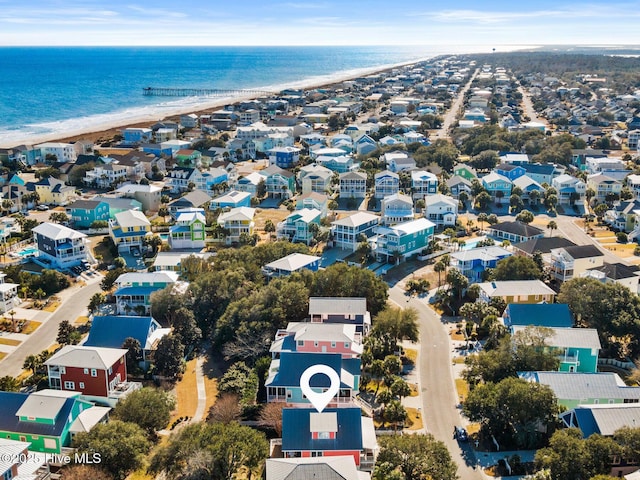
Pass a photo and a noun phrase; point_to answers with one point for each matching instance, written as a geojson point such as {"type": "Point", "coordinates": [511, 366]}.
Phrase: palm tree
{"type": "Point", "coordinates": [482, 218]}
{"type": "Point", "coordinates": [32, 362]}
{"type": "Point", "coordinates": [552, 225]}
{"type": "Point", "coordinates": [439, 267]}
{"type": "Point", "coordinates": [534, 196]}
{"type": "Point", "coordinates": [499, 196]}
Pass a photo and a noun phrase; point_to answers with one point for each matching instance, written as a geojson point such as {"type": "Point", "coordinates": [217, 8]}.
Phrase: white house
{"type": "Point", "coordinates": [441, 209]}
{"type": "Point", "coordinates": [353, 185]}
{"type": "Point", "coordinates": [396, 208]}
{"type": "Point", "coordinates": [386, 183]}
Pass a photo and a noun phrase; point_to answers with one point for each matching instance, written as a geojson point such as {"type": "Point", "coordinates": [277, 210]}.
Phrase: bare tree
{"type": "Point", "coordinates": [226, 409]}
{"type": "Point", "coordinates": [271, 417]}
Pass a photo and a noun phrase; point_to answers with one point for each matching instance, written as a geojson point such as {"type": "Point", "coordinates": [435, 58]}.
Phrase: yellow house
{"type": "Point", "coordinates": [128, 230]}
{"type": "Point", "coordinates": [52, 191]}
{"type": "Point", "coordinates": [237, 221]}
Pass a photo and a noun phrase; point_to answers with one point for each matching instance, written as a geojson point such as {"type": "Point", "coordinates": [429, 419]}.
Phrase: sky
{"type": "Point", "coordinates": [322, 22]}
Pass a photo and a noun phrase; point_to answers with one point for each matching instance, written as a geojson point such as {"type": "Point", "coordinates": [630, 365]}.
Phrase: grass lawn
{"type": "Point", "coordinates": [411, 354]}
{"type": "Point", "coordinates": [30, 327]}
{"type": "Point", "coordinates": [414, 390]}
{"type": "Point", "coordinates": [457, 336]}
{"type": "Point", "coordinates": [141, 474]}
{"type": "Point", "coordinates": [9, 341]}
{"type": "Point", "coordinates": [2, 355]}
{"type": "Point", "coordinates": [414, 418]}
{"type": "Point", "coordinates": [81, 320]}
{"type": "Point", "coordinates": [275, 215]}
{"type": "Point", "coordinates": [186, 392]}
{"type": "Point", "coordinates": [52, 306]}
{"type": "Point", "coordinates": [211, 387]}
{"type": "Point", "coordinates": [459, 359]}
{"type": "Point", "coordinates": [463, 389]}
{"type": "Point", "coordinates": [620, 250]}
{"type": "Point", "coordinates": [100, 249]}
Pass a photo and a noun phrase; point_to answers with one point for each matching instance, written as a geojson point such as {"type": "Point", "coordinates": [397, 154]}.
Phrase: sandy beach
{"type": "Point", "coordinates": [105, 131]}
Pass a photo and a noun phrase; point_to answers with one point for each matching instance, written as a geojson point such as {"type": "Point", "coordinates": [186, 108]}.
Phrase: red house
{"type": "Point", "coordinates": [96, 372]}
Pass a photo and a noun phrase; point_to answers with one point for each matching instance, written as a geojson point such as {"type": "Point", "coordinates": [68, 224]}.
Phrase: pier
{"type": "Point", "coordinates": [200, 92]}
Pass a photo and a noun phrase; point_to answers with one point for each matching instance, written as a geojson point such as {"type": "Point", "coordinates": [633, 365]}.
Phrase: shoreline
{"type": "Point", "coordinates": [107, 130]}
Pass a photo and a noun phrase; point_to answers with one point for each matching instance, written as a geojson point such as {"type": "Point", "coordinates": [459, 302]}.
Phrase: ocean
{"type": "Point", "coordinates": [52, 92]}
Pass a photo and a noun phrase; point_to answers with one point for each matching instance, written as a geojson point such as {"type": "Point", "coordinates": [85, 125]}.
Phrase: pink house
{"type": "Point", "coordinates": [318, 338]}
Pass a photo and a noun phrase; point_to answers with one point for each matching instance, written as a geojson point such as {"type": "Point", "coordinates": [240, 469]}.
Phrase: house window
{"type": "Point", "coordinates": [346, 344]}
{"type": "Point", "coordinates": [315, 344]}
{"type": "Point", "coordinates": [86, 371]}
{"type": "Point", "coordinates": [333, 344]}
{"type": "Point", "coordinates": [23, 438]}
{"type": "Point", "coordinates": [50, 443]}
{"type": "Point", "coordinates": [69, 385]}
{"type": "Point", "coordinates": [301, 343]}
{"type": "Point", "coordinates": [110, 370]}
{"type": "Point", "coordinates": [289, 394]}
{"type": "Point", "coordinates": [316, 454]}
{"type": "Point", "coordinates": [324, 435]}
{"type": "Point", "coordinates": [63, 370]}
{"type": "Point", "coordinates": [94, 372]}
{"type": "Point", "coordinates": [81, 384]}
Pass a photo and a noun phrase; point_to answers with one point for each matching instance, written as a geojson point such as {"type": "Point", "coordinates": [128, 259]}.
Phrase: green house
{"type": "Point", "coordinates": [573, 389]}
{"type": "Point", "coordinates": [576, 348]}
{"type": "Point", "coordinates": [403, 240]}
{"type": "Point", "coordinates": [47, 419]}
{"type": "Point", "coordinates": [465, 171]}
{"type": "Point", "coordinates": [189, 229]}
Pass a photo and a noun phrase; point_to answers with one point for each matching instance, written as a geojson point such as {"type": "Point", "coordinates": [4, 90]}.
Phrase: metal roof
{"type": "Point", "coordinates": [296, 433]}
{"type": "Point", "coordinates": [341, 467]}
{"type": "Point", "coordinates": [570, 337]}
{"type": "Point", "coordinates": [337, 305]}
{"type": "Point", "coordinates": [583, 386]}
{"type": "Point", "coordinates": [292, 262]}
{"type": "Point", "coordinates": [539, 314]}
{"type": "Point", "coordinates": [86, 357]}
{"type": "Point", "coordinates": [55, 231]}
{"type": "Point", "coordinates": [111, 331]}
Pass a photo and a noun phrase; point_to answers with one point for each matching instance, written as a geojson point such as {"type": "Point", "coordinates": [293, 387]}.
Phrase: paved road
{"type": "Point", "coordinates": [452, 114]}
{"type": "Point", "coordinates": [527, 106]}
{"type": "Point", "coordinates": [74, 305]}
{"type": "Point", "coordinates": [439, 396]}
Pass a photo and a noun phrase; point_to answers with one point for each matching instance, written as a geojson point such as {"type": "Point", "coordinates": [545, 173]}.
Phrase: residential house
{"type": "Point", "coordinates": [284, 157]}
{"type": "Point", "coordinates": [570, 189]}
{"type": "Point", "coordinates": [314, 200]}
{"type": "Point", "coordinates": [397, 208]}
{"type": "Point", "coordinates": [172, 261]}
{"type": "Point", "coordinates": [181, 179]}
{"type": "Point", "coordinates": [280, 183]}
{"type": "Point", "coordinates": [60, 247]}
{"type": "Point", "coordinates": [606, 188]}
{"type": "Point", "coordinates": [473, 263]}
{"type": "Point", "coordinates": [105, 176]}
{"type": "Point", "coordinates": [55, 151]}
{"type": "Point", "coordinates": [196, 199]}
{"type": "Point", "coordinates": [440, 209]}
{"type": "Point", "coordinates": [515, 232]}
{"type": "Point", "coordinates": [188, 158]}
{"type": "Point", "coordinates": [249, 183]}
{"type": "Point", "coordinates": [83, 213]}
{"type": "Point", "coordinates": [47, 419]}
{"type": "Point", "coordinates": [54, 192]}
{"type": "Point", "coordinates": [572, 262]}
{"type": "Point", "coordinates": [404, 163]}
{"type": "Point", "coordinates": [514, 158]}
{"type": "Point", "coordinates": [232, 199]}
{"type": "Point", "coordinates": [118, 204]}
{"type": "Point", "coordinates": [189, 230]}
{"type": "Point", "coordinates": [237, 221]}
{"type": "Point", "coordinates": [543, 172]}
{"type": "Point", "coordinates": [386, 183]}
{"type": "Point", "coordinates": [353, 185]}
{"type": "Point", "coordinates": [19, 464]}
{"type": "Point", "coordinates": [213, 178]}
{"type": "Point", "coordinates": [149, 196]}
{"type": "Point", "coordinates": [465, 171]}
{"type": "Point", "coordinates": [136, 136]}
{"type": "Point", "coordinates": [318, 338]}
{"type": "Point", "coordinates": [573, 389]}
{"type": "Point", "coordinates": [128, 230]}
{"type": "Point", "coordinates": [457, 185]}
{"type": "Point", "coordinates": [401, 241]}
{"type": "Point", "coordinates": [8, 295]}
{"type": "Point", "coordinates": [528, 185]}
{"type": "Point", "coordinates": [134, 289]}
{"type": "Point", "coordinates": [293, 262]}
{"type": "Point", "coordinates": [633, 182]}
{"type": "Point", "coordinates": [576, 348]}
{"type": "Point", "coordinates": [550, 315]}
{"type": "Point", "coordinates": [338, 164]}
{"type": "Point", "coordinates": [339, 468]}
{"type": "Point", "coordinates": [315, 178]}
{"type": "Point", "coordinates": [424, 183]}
{"type": "Point", "coordinates": [96, 372]}
{"type": "Point", "coordinates": [297, 226]}
{"type": "Point", "coordinates": [498, 186]}
{"type": "Point", "coordinates": [510, 170]}
{"type": "Point", "coordinates": [343, 310]}
{"type": "Point", "coordinates": [516, 291]}
{"type": "Point", "coordinates": [283, 378]}
{"type": "Point", "coordinates": [364, 145]}
{"type": "Point", "coordinates": [542, 245]}
{"type": "Point", "coordinates": [349, 231]}
{"type": "Point", "coordinates": [627, 275]}
{"type": "Point", "coordinates": [333, 432]}
{"type": "Point", "coordinates": [111, 331]}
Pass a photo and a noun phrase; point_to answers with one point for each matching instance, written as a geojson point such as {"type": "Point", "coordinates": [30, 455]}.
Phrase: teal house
{"type": "Point", "coordinates": [47, 419]}
{"type": "Point", "coordinates": [84, 212]}
{"type": "Point", "coordinates": [498, 186]}
{"type": "Point", "coordinates": [402, 240]}
{"type": "Point", "coordinates": [119, 204]}
{"type": "Point", "coordinates": [573, 389]}
{"type": "Point", "coordinates": [189, 229]}
{"type": "Point", "coordinates": [283, 382]}
{"type": "Point", "coordinates": [577, 348]}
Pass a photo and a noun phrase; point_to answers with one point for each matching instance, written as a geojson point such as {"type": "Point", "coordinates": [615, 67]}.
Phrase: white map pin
{"type": "Point", "coordinates": [320, 400]}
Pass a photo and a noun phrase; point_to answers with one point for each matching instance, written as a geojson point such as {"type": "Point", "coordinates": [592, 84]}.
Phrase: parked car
{"type": "Point", "coordinates": [461, 434]}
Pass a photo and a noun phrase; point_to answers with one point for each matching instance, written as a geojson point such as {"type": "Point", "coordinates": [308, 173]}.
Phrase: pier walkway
{"type": "Point", "coordinates": [200, 92]}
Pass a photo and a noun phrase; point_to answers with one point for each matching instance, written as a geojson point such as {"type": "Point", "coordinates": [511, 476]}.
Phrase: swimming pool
{"type": "Point", "coordinates": [469, 244]}
{"type": "Point", "coordinates": [29, 251]}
